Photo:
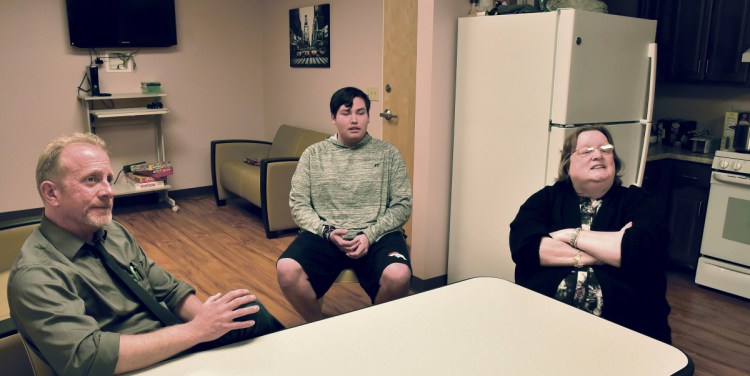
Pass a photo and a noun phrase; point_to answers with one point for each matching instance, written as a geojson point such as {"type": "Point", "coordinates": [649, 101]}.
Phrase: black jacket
{"type": "Point", "coordinates": [634, 294]}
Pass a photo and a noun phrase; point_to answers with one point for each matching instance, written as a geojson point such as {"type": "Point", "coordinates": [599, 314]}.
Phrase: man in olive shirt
{"type": "Point", "coordinates": [80, 318]}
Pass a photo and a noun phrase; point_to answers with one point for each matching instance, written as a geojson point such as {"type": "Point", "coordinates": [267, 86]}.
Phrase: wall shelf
{"type": "Point", "coordinates": [92, 112]}
{"type": "Point", "coordinates": [125, 112]}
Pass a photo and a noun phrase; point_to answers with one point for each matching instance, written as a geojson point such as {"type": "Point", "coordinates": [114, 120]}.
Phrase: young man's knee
{"type": "Point", "coordinates": [288, 270]}
{"type": "Point", "coordinates": [397, 274]}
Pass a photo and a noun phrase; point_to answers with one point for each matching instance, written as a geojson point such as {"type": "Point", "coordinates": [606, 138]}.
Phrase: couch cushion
{"type": "Point", "coordinates": [291, 141]}
{"type": "Point", "coordinates": [242, 179]}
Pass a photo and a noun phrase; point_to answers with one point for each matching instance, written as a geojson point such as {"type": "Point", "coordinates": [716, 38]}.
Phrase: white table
{"type": "Point", "coordinates": [481, 326]}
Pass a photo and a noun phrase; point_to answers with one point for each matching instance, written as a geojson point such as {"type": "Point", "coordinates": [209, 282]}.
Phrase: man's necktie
{"type": "Point", "coordinates": [164, 315]}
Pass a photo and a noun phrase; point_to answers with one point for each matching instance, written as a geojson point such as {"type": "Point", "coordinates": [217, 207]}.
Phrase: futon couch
{"type": "Point", "coordinates": [261, 172]}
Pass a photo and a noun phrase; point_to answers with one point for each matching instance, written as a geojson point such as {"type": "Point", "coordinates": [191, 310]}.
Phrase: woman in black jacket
{"type": "Point", "coordinates": [594, 244]}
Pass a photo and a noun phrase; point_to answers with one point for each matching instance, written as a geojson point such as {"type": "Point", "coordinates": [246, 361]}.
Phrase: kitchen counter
{"type": "Point", "coordinates": [658, 151]}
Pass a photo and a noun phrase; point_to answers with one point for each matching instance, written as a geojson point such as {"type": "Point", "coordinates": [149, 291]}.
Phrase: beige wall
{"type": "Point", "coordinates": [300, 96]}
{"type": "Point", "coordinates": [212, 78]}
{"type": "Point", "coordinates": [228, 77]}
{"type": "Point", "coordinates": [436, 73]}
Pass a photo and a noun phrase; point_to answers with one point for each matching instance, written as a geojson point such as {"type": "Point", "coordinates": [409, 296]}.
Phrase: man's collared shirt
{"type": "Point", "coordinates": [65, 302]}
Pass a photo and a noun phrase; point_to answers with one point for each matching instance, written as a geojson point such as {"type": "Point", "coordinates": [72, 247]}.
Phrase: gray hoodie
{"type": "Point", "coordinates": [364, 188]}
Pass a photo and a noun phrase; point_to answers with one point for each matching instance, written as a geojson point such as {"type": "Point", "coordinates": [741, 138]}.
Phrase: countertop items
{"type": "Point", "coordinates": [657, 152]}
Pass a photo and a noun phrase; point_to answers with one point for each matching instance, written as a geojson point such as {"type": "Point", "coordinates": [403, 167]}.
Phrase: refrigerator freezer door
{"type": "Point", "coordinates": [602, 68]}
{"type": "Point", "coordinates": [629, 143]}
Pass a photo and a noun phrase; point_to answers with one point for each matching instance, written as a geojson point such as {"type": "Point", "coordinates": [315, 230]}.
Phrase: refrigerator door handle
{"type": "Point", "coordinates": [644, 154]}
{"type": "Point", "coordinates": [647, 119]}
{"type": "Point", "coordinates": [651, 84]}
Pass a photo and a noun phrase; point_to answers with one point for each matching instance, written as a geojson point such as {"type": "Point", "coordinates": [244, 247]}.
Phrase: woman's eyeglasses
{"type": "Point", "coordinates": [589, 151]}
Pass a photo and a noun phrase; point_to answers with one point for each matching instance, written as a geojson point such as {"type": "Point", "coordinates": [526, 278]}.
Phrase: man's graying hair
{"type": "Point", "coordinates": [48, 166]}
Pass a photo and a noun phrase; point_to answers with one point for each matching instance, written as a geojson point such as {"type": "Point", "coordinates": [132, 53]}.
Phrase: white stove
{"type": "Point", "coordinates": [732, 161]}
{"type": "Point", "coordinates": [725, 249]}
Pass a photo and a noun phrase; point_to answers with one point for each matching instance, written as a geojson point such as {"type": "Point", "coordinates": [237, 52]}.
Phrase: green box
{"type": "Point", "coordinates": [150, 87]}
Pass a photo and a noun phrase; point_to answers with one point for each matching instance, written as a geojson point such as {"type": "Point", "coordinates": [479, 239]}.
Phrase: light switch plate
{"type": "Point", "coordinates": [372, 93]}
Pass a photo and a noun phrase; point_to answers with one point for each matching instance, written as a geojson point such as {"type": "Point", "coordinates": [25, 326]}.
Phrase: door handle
{"type": "Point", "coordinates": [388, 115]}
{"type": "Point", "coordinates": [731, 179]}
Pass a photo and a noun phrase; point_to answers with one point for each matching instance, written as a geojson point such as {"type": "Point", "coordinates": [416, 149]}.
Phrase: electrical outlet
{"type": "Point", "coordinates": [118, 61]}
{"type": "Point", "coordinates": [372, 92]}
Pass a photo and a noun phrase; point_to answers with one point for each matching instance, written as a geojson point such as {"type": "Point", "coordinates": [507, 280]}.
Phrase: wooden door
{"type": "Point", "coordinates": [400, 78]}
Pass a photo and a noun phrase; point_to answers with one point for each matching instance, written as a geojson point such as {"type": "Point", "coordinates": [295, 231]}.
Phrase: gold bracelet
{"type": "Point", "coordinates": [574, 238]}
{"type": "Point", "coordinates": [577, 260]}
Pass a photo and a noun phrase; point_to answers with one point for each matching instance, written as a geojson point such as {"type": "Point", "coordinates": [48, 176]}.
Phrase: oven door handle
{"type": "Point", "coordinates": [731, 179]}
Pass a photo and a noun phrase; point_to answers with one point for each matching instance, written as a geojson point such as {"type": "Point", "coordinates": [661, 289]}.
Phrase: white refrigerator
{"type": "Point", "coordinates": [523, 82]}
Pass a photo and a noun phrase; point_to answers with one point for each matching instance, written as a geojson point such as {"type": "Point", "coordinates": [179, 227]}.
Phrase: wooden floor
{"type": "Point", "coordinates": [217, 249]}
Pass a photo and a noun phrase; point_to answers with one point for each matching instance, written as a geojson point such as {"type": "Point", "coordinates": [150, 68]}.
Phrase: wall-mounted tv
{"type": "Point", "coordinates": [121, 23]}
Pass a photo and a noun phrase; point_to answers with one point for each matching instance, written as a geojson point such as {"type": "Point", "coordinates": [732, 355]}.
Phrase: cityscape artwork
{"type": "Point", "coordinates": [309, 37]}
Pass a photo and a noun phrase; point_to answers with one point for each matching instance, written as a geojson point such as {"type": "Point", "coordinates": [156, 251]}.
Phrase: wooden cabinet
{"type": "Point", "coordinates": [687, 214]}
{"type": "Point", "coordinates": [705, 40]}
{"type": "Point", "coordinates": [682, 189]}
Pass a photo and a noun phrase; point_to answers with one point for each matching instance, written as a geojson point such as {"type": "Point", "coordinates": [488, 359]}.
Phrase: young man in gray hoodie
{"type": "Point", "coordinates": [350, 197]}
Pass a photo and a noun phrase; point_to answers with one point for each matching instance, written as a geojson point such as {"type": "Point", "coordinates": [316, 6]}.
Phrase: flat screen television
{"type": "Point", "coordinates": [121, 23]}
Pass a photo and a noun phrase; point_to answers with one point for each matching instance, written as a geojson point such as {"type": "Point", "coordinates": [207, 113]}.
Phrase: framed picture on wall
{"type": "Point", "coordinates": [309, 37]}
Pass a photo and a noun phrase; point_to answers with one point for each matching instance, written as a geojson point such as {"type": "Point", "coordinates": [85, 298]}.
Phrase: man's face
{"type": "Point", "coordinates": [351, 123]}
{"type": "Point", "coordinates": [84, 193]}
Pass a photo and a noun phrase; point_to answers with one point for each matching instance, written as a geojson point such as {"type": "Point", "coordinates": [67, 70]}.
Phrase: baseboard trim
{"type": "Point", "coordinates": [422, 285]}
{"type": "Point", "coordinates": [191, 192]}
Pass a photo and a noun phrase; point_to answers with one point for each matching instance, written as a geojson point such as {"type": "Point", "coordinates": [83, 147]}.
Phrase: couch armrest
{"type": "Point", "coordinates": [233, 150]}
{"type": "Point", "coordinates": [275, 185]}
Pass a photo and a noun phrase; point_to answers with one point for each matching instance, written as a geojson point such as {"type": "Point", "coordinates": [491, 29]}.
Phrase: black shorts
{"type": "Point", "coordinates": [322, 261]}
